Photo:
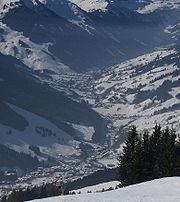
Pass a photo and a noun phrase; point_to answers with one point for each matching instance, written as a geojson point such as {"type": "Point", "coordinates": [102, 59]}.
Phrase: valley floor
{"type": "Point", "coordinates": [160, 190]}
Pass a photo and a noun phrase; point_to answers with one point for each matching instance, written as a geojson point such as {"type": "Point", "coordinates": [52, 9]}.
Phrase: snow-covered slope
{"type": "Point", "coordinates": [59, 35]}
{"type": "Point", "coordinates": [161, 190]}
{"type": "Point", "coordinates": [160, 4]}
{"type": "Point", "coordinates": [142, 91]}
{"type": "Point", "coordinates": [39, 132]}
{"type": "Point", "coordinates": [91, 5]}
{"type": "Point", "coordinates": [145, 6]}
{"type": "Point", "coordinates": [62, 8]}
{"type": "Point", "coordinates": [6, 5]}
{"type": "Point", "coordinates": [174, 30]}
{"type": "Point", "coordinates": [45, 123]}
{"type": "Point", "coordinates": [26, 113]}
{"type": "Point", "coordinates": [34, 56]}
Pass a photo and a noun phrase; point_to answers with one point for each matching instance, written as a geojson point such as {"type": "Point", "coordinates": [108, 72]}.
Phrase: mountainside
{"type": "Point", "coordinates": [165, 189]}
{"type": "Point", "coordinates": [62, 8]}
{"type": "Point", "coordinates": [146, 6]}
{"type": "Point", "coordinates": [39, 98]}
{"type": "Point", "coordinates": [45, 123]}
{"type": "Point", "coordinates": [59, 36]}
{"type": "Point", "coordinates": [141, 91]}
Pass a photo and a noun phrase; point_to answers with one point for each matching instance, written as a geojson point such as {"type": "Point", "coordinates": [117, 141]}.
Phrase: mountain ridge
{"type": "Point", "coordinates": [102, 35]}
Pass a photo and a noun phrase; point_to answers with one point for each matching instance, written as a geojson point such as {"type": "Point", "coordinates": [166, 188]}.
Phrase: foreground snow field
{"type": "Point", "coordinates": [161, 190]}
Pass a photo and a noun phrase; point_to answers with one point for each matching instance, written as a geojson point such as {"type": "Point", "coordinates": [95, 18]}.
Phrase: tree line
{"type": "Point", "coordinates": [149, 156]}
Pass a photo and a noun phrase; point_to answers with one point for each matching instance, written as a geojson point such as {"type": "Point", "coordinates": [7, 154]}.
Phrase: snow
{"type": "Point", "coordinates": [128, 68]}
{"type": "Point", "coordinates": [174, 30]}
{"type": "Point", "coordinates": [9, 5]}
{"type": "Point", "coordinates": [160, 190]}
{"type": "Point", "coordinates": [115, 82]}
{"type": "Point", "coordinates": [84, 132]}
{"type": "Point", "coordinates": [36, 57]}
{"type": "Point", "coordinates": [160, 4]}
{"type": "Point", "coordinates": [65, 9]}
{"type": "Point", "coordinates": [110, 161]}
{"type": "Point", "coordinates": [91, 5]}
{"type": "Point", "coordinates": [98, 187]}
{"type": "Point", "coordinates": [56, 143]}
{"type": "Point", "coordinates": [62, 8]}
{"type": "Point", "coordinates": [119, 87]}
{"type": "Point", "coordinates": [141, 6]}
{"type": "Point", "coordinates": [53, 143]}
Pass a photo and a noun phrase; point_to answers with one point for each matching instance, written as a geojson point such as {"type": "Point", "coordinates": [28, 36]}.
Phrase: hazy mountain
{"type": "Point", "coordinates": [66, 36]}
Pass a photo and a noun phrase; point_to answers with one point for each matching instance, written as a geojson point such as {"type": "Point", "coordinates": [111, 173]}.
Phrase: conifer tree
{"type": "Point", "coordinates": [150, 157]}
{"type": "Point", "coordinates": [146, 158]}
{"type": "Point", "coordinates": [127, 170]}
{"type": "Point", "coordinates": [155, 149]}
{"type": "Point", "coordinates": [167, 155]}
{"type": "Point", "coordinates": [137, 162]}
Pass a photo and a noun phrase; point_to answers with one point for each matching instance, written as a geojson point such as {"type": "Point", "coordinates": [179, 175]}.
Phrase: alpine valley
{"type": "Point", "coordinates": [75, 75]}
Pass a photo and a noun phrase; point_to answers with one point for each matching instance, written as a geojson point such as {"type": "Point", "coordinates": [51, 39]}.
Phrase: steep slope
{"type": "Point", "coordinates": [174, 30]}
{"type": "Point", "coordinates": [104, 5]}
{"type": "Point", "coordinates": [165, 189]}
{"type": "Point", "coordinates": [154, 5]}
{"type": "Point", "coordinates": [63, 8]}
{"type": "Point", "coordinates": [37, 97]}
{"type": "Point", "coordinates": [91, 5]}
{"type": "Point", "coordinates": [32, 109]}
{"type": "Point", "coordinates": [63, 36]}
{"type": "Point", "coordinates": [141, 91]}
{"type": "Point", "coordinates": [34, 56]}
{"type": "Point", "coordinates": [57, 134]}
{"type": "Point", "coordinates": [145, 6]}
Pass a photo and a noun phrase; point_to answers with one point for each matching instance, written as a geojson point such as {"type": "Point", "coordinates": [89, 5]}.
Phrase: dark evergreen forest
{"type": "Point", "coordinates": [149, 156]}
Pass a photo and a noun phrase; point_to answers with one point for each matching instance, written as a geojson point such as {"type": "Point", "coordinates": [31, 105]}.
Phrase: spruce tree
{"type": "Point", "coordinates": [150, 157]}
{"type": "Point", "coordinates": [137, 162]}
{"type": "Point", "coordinates": [155, 149]}
{"type": "Point", "coordinates": [127, 162]}
{"type": "Point", "coordinates": [167, 155]}
{"type": "Point", "coordinates": [146, 158]}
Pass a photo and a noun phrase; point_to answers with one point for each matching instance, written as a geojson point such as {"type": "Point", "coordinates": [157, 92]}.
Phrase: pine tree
{"type": "Point", "coordinates": [146, 158]}
{"type": "Point", "coordinates": [127, 162]}
{"type": "Point", "coordinates": [155, 149]}
{"type": "Point", "coordinates": [137, 162]}
{"type": "Point", "coordinates": [150, 157]}
{"type": "Point", "coordinates": [167, 155]}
